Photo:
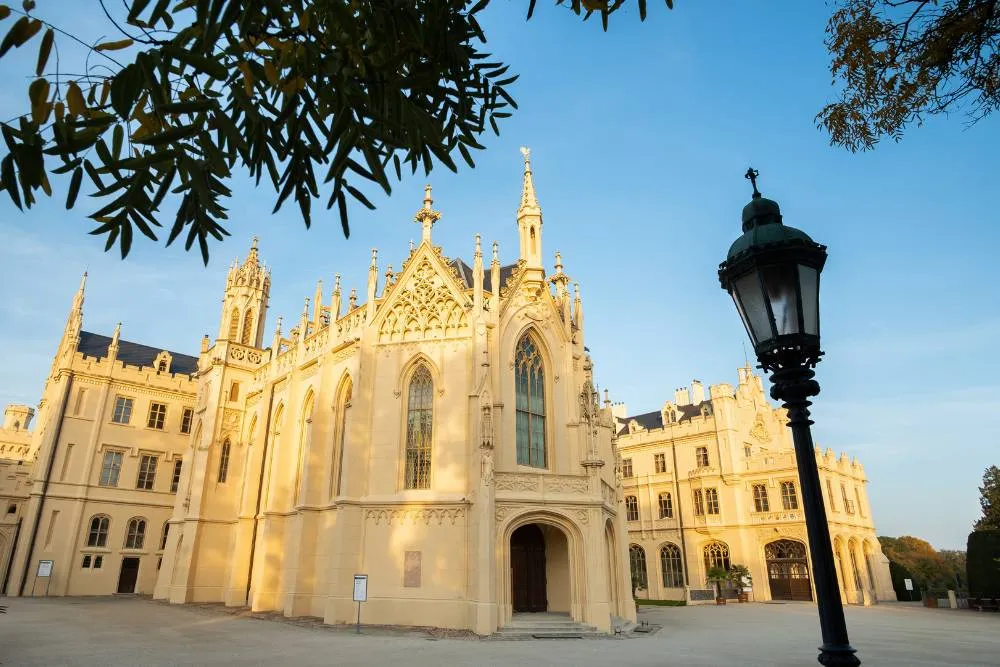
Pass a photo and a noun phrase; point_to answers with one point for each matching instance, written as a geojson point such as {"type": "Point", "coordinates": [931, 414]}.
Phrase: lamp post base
{"type": "Point", "coordinates": [838, 656]}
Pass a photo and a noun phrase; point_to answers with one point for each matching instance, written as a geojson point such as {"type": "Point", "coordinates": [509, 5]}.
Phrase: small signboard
{"type": "Point", "coordinates": [361, 588]}
{"type": "Point", "coordinates": [44, 568]}
{"type": "Point", "coordinates": [908, 583]}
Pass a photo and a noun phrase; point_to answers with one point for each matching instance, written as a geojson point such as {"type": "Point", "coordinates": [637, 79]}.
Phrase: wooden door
{"type": "Point", "coordinates": [129, 573]}
{"type": "Point", "coordinates": [527, 564]}
{"type": "Point", "coordinates": [788, 570]}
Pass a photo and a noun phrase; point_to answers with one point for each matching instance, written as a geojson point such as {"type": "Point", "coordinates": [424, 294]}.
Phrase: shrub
{"type": "Point", "coordinates": [983, 563]}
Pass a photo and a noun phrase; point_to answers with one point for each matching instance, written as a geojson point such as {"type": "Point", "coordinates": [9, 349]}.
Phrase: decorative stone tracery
{"type": "Point", "coordinates": [425, 308]}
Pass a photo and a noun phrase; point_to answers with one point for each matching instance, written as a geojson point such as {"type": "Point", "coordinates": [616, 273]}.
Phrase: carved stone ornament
{"type": "Point", "coordinates": [424, 515]}
{"type": "Point", "coordinates": [759, 430]}
{"type": "Point", "coordinates": [486, 472]}
{"type": "Point", "coordinates": [424, 308]}
{"type": "Point", "coordinates": [230, 420]}
{"type": "Point", "coordinates": [567, 485]}
{"type": "Point", "coordinates": [516, 482]}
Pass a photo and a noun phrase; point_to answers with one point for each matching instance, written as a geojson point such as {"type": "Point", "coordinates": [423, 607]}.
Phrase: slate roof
{"type": "Point", "coordinates": [134, 354]}
{"type": "Point", "coordinates": [465, 272]}
{"type": "Point", "coordinates": [651, 420]}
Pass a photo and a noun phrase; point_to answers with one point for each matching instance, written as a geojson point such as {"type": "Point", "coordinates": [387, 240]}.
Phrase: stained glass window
{"type": "Point", "coordinates": [419, 423]}
{"type": "Point", "coordinates": [529, 382]}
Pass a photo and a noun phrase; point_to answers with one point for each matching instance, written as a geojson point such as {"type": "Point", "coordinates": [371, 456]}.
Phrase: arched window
{"type": "Point", "coordinates": [247, 338]}
{"type": "Point", "coordinates": [789, 500]}
{"type": "Point", "coordinates": [666, 506]}
{"type": "Point", "coordinates": [276, 428]}
{"type": "Point", "coordinates": [305, 440]}
{"type": "Point", "coordinates": [419, 429]}
{"type": "Point", "coordinates": [637, 563]}
{"type": "Point", "coordinates": [760, 502]}
{"type": "Point", "coordinates": [852, 549]}
{"type": "Point", "coordinates": [529, 387]}
{"type": "Point", "coordinates": [671, 566]}
{"type": "Point", "coordinates": [344, 407]}
{"type": "Point", "coordinates": [631, 508]}
{"type": "Point", "coordinates": [135, 534]}
{"type": "Point", "coordinates": [716, 555]}
{"type": "Point", "coordinates": [837, 547]}
{"type": "Point", "coordinates": [701, 457]}
{"type": "Point", "coordinates": [234, 325]}
{"type": "Point", "coordinates": [224, 461]}
{"type": "Point", "coordinates": [98, 535]}
{"type": "Point", "coordinates": [234, 391]}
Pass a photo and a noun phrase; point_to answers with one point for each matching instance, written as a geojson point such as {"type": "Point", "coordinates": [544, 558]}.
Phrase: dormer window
{"type": "Point", "coordinates": [162, 362]}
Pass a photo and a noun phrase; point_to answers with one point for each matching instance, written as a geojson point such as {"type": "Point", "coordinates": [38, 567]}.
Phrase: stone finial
{"type": "Point", "coordinates": [426, 216]}
{"type": "Point", "coordinates": [496, 252]}
{"type": "Point", "coordinates": [559, 262]}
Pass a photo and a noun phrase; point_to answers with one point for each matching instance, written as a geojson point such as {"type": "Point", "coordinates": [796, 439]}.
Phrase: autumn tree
{"type": "Point", "coordinates": [930, 568]}
{"type": "Point", "coordinates": [989, 499]}
{"type": "Point", "coordinates": [315, 98]}
{"type": "Point", "coordinates": [901, 61]}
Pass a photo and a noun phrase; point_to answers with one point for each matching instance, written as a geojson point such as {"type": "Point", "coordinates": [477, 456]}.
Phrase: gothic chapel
{"type": "Point", "coordinates": [443, 437]}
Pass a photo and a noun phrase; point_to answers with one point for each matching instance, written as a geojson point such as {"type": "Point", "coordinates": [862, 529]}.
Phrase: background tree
{"type": "Point", "coordinates": [317, 98]}
{"type": "Point", "coordinates": [928, 567]}
{"type": "Point", "coordinates": [989, 499]}
{"type": "Point", "coordinates": [900, 61]}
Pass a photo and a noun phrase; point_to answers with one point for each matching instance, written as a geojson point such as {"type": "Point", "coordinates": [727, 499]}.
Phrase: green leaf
{"type": "Point", "coordinates": [19, 33]}
{"type": "Point", "coordinates": [166, 137]}
{"type": "Point", "coordinates": [44, 50]}
{"type": "Point", "coordinates": [126, 86]}
{"type": "Point", "coordinates": [114, 46]}
{"type": "Point", "coordinates": [213, 68]}
{"type": "Point", "coordinates": [9, 180]}
{"type": "Point", "coordinates": [74, 187]}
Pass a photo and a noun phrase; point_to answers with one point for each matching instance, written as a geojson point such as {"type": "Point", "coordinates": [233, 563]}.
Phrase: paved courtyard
{"type": "Point", "coordinates": [128, 631]}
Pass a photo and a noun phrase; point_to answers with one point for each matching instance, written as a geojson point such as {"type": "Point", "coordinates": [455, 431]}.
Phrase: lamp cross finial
{"type": "Point", "coordinates": [752, 175]}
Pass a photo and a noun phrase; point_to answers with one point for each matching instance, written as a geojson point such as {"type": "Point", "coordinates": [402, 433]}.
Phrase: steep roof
{"type": "Point", "coordinates": [651, 420]}
{"type": "Point", "coordinates": [134, 354]}
{"type": "Point", "coordinates": [465, 272]}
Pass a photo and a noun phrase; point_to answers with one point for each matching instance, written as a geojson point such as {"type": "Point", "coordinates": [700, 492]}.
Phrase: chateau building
{"type": "Point", "coordinates": [444, 437]}
{"type": "Point", "coordinates": [711, 480]}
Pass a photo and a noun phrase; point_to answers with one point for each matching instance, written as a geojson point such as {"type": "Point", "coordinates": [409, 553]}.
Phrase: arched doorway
{"type": "Point", "coordinates": [527, 569]}
{"type": "Point", "coordinates": [788, 570]}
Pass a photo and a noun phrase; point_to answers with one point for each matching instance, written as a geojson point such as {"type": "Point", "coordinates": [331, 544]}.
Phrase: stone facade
{"type": "Point", "coordinates": [712, 478]}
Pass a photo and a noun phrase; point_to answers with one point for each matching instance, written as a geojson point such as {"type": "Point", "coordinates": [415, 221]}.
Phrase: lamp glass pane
{"type": "Point", "coordinates": [809, 281]}
{"type": "Point", "coordinates": [780, 283]}
{"type": "Point", "coordinates": [754, 310]}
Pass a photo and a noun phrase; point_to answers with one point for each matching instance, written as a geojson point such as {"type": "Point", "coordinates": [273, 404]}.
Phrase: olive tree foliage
{"type": "Point", "coordinates": [899, 61]}
{"type": "Point", "coordinates": [316, 98]}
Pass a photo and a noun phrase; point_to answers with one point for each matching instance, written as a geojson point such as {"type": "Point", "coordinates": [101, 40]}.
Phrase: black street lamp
{"type": "Point", "coordinates": [772, 273]}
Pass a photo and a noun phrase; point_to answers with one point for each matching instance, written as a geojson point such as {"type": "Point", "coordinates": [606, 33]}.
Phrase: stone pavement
{"type": "Point", "coordinates": [132, 631]}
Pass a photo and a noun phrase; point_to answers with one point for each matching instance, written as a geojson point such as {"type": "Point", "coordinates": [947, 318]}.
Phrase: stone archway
{"type": "Point", "coordinates": [788, 570]}
{"type": "Point", "coordinates": [547, 550]}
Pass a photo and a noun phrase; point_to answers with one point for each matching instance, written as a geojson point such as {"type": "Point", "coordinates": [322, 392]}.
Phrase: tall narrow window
{"type": "Point", "coordinates": [666, 506]}
{"type": "Point", "coordinates": [111, 466]}
{"type": "Point", "coordinates": [186, 418]}
{"type": "Point", "coordinates": [861, 507]}
{"type": "Point", "coordinates": [337, 474]}
{"type": "Point", "coordinates": [135, 535]}
{"type": "Point", "coordinates": [701, 457]}
{"type": "Point", "coordinates": [660, 462]}
{"type": "Point", "coordinates": [631, 508]}
{"type": "Point", "coordinates": [829, 495]}
{"type": "Point", "coordinates": [176, 479]}
{"type": "Point", "coordinates": [699, 502]}
{"type": "Point", "coordinates": [247, 338]}
{"type": "Point", "coordinates": [529, 386]}
{"type": "Point", "coordinates": [147, 472]}
{"type": "Point", "coordinates": [760, 502]}
{"type": "Point", "coordinates": [234, 391]}
{"type": "Point", "coordinates": [157, 415]}
{"type": "Point", "coordinates": [67, 457]}
{"type": "Point", "coordinates": [224, 461]}
{"type": "Point", "coordinates": [848, 504]}
{"type": "Point", "coordinates": [671, 566]}
{"type": "Point", "coordinates": [164, 535]}
{"type": "Point", "coordinates": [789, 500]}
{"type": "Point", "coordinates": [419, 429]}
{"type": "Point", "coordinates": [81, 401]}
{"type": "Point", "coordinates": [98, 534]}
{"type": "Point", "coordinates": [123, 410]}
{"type": "Point", "coordinates": [626, 467]}
{"type": "Point", "coordinates": [305, 444]}
{"type": "Point", "coordinates": [637, 563]}
{"type": "Point", "coordinates": [712, 501]}
{"type": "Point", "coordinates": [853, 549]}
{"type": "Point", "coordinates": [234, 325]}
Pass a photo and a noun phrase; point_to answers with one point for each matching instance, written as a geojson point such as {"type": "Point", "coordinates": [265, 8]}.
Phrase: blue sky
{"type": "Point", "coordinates": [640, 138]}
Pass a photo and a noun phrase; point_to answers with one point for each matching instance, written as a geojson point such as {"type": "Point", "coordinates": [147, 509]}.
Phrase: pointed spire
{"type": "Point", "coordinates": [496, 252]}
{"type": "Point", "coordinates": [335, 299]}
{"type": "Point", "coordinates": [559, 264]}
{"type": "Point", "coordinates": [426, 216]}
{"type": "Point", "coordinates": [276, 342]}
{"type": "Point", "coordinates": [74, 321]}
{"type": "Point", "coordinates": [577, 306]}
{"type": "Point", "coordinates": [116, 336]}
{"type": "Point", "coordinates": [478, 254]}
{"type": "Point", "coordinates": [78, 297]}
{"type": "Point", "coordinates": [477, 278]}
{"type": "Point", "coordinates": [372, 285]}
{"type": "Point", "coordinates": [352, 301]}
{"type": "Point", "coordinates": [528, 198]}
{"type": "Point", "coordinates": [318, 303]}
{"type": "Point", "coordinates": [252, 257]}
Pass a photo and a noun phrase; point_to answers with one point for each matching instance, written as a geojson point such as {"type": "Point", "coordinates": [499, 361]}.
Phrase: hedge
{"type": "Point", "coordinates": [982, 563]}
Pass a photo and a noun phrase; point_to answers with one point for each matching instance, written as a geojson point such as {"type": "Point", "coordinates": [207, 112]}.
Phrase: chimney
{"type": "Point", "coordinates": [697, 392]}
{"type": "Point", "coordinates": [619, 411]}
{"type": "Point", "coordinates": [681, 397]}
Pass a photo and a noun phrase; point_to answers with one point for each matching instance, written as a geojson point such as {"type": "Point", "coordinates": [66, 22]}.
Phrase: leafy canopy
{"type": "Point", "coordinates": [316, 98]}
{"type": "Point", "coordinates": [929, 567]}
{"type": "Point", "coordinates": [902, 60]}
{"type": "Point", "coordinates": [989, 500]}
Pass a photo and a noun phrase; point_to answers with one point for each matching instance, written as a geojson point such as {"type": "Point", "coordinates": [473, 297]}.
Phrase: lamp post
{"type": "Point", "coordinates": [772, 273]}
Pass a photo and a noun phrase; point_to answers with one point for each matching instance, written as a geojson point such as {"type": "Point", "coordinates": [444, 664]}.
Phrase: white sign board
{"type": "Point", "coordinates": [44, 568]}
{"type": "Point", "coordinates": [361, 588]}
{"type": "Point", "coordinates": [908, 583]}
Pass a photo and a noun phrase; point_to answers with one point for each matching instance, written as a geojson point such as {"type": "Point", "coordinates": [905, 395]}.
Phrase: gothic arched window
{"type": "Point", "coordinates": [337, 470]}
{"type": "Point", "coordinates": [760, 501]}
{"type": "Point", "coordinates": [98, 535]}
{"type": "Point", "coordinates": [135, 535]}
{"type": "Point", "coordinates": [419, 429]}
{"type": "Point", "coordinates": [716, 555]}
{"type": "Point", "coordinates": [305, 441]}
{"type": "Point", "coordinates": [637, 563]}
{"type": "Point", "coordinates": [224, 461]}
{"type": "Point", "coordinates": [247, 338]}
{"type": "Point", "coordinates": [234, 325]}
{"type": "Point", "coordinates": [529, 387]}
{"type": "Point", "coordinates": [671, 566]}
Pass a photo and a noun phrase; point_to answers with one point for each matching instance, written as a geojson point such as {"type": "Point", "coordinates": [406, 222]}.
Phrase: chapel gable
{"type": "Point", "coordinates": [424, 304]}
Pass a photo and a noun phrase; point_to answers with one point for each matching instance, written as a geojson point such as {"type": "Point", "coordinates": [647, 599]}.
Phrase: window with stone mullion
{"type": "Point", "coordinates": [529, 387]}
{"type": "Point", "coordinates": [789, 500]}
{"type": "Point", "coordinates": [419, 430]}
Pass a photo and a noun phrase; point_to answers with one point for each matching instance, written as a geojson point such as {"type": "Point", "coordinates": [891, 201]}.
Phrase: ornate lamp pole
{"type": "Point", "coordinates": [772, 273]}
